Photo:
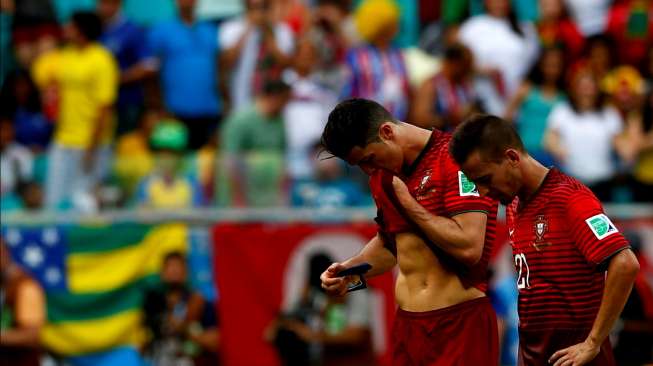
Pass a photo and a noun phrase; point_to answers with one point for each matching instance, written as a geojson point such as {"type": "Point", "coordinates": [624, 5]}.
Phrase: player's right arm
{"type": "Point", "coordinates": [375, 253]}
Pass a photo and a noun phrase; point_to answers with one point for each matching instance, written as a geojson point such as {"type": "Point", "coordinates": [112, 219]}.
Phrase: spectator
{"type": "Point", "coordinates": [16, 164]}
{"type": "Point", "coordinates": [503, 52]}
{"type": "Point", "coordinates": [642, 182]}
{"type": "Point", "coordinates": [334, 21]}
{"type": "Point", "coordinates": [598, 54]}
{"type": "Point", "coordinates": [630, 24]}
{"type": "Point", "coordinates": [255, 49]}
{"type": "Point", "coordinates": [126, 41]}
{"type": "Point", "coordinates": [589, 15]}
{"type": "Point", "coordinates": [625, 87]}
{"type": "Point", "coordinates": [323, 331]}
{"type": "Point", "coordinates": [252, 147]}
{"type": "Point", "coordinates": [534, 100]}
{"type": "Point", "coordinates": [22, 315]}
{"type": "Point", "coordinates": [21, 100]}
{"type": "Point", "coordinates": [34, 30]}
{"type": "Point", "coordinates": [307, 111]}
{"type": "Point", "coordinates": [167, 187]}
{"type": "Point", "coordinates": [447, 98]}
{"type": "Point", "coordinates": [377, 70]}
{"type": "Point", "coordinates": [188, 55]}
{"type": "Point", "coordinates": [133, 158]}
{"type": "Point", "coordinates": [328, 188]}
{"type": "Point", "coordinates": [85, 77]}
{"type": "Point", "coordinates": [183, 325]}
{"type": "Point", "coordinates": [555, 28]}
{"type": "Point", "coordinates": [581, 134]}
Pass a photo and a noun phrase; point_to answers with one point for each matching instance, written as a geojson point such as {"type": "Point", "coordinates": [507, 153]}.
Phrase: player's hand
{"type": "Point", "coordinates": [334, 286]}
{"type": "Point", "coordinates": [402, 192]}
{"type": "Point", "coordinates": [576, 355]}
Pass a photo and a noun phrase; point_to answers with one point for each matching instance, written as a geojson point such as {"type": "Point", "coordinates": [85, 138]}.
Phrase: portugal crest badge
{"type": "Point", "coordinates": [541, 227]}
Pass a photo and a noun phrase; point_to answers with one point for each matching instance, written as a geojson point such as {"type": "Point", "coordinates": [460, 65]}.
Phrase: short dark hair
{"type": "Point", "coordinates": [88, 24]}
{"type": "Point", "coordinates": [275, 87]}
{"type": "Point", "coordinates": [489, 134]}
{"type": "Point", "coordinates": [175, 255]}
{"type": "Point", "coordinates": [354, 122]}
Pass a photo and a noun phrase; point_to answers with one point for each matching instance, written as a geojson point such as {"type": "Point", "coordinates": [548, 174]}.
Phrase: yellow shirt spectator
{"type": "Point", "coordinates": [87, 81]}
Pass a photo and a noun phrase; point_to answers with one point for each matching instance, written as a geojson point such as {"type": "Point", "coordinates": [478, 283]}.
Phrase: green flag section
{"type": "Point", "coordinates": [106, 270]}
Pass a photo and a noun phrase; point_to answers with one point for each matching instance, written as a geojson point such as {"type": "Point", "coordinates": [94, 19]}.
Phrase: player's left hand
{"type": "Point", "coordinates": [576, 355]}
{"type": "Point", "coordinates": [402, 192]}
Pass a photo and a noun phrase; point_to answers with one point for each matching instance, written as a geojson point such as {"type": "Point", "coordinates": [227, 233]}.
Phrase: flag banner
{"type": "Point", "coordinates": [262, 270]}
{"type": "Point", "coordinates": [94, 278]}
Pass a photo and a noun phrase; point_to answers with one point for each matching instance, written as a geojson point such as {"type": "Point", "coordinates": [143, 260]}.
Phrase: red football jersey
{"type": "Point", "coordinates": [561, 241]}
{"type": "Point", "coordinates": [438, 184]}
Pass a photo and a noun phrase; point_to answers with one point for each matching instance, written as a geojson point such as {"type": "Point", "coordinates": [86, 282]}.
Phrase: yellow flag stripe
{"type": "Point", "coordinates": [99, 272]}
{"type": "Point", "coordinates": [82, 337]}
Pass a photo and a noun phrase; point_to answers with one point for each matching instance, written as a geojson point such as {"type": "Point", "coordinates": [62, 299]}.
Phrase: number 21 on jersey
{"type": "Point", "coordinates": [523, 272]}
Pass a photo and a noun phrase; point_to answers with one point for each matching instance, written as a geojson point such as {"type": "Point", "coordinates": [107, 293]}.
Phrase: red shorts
{"type": "Point", "coordinates": [537, 346]}
{"type": "Point", "coordinates": [462, 334]}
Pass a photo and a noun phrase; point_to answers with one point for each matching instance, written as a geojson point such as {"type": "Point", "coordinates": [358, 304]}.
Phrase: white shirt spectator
{"type": "Point", "coordinates": [588, 140]}
{"type": "Point", "coordinates": [240, 87]}
{"type": "Point", "coordinates": [16, 165]}
{"type": "Point", "coordinates": [589, 15]}
{"type": "Point", "coordinates": [305, 117]}
{"type": "Point", "coordinates": [495, 45]}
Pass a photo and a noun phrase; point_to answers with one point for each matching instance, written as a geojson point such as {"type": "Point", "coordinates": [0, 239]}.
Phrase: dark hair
{"type": "Point", "coordinates": [456, 52]}
{"type": "Point", "coordinates": [8, 98]}
{"type": "Point", "coordinates": [536, 76]}
{"type": "Point", "coordinates": [88, 24]}
{"type": "Point", "coordinates": [317, 264]}
{"type": "Point", "coordinates": [274, 87]}
{"type": "Point", "coordinates": [176, 255]}
{"type": "Point", "coordinates": [489, 134]}
{"type": "Point", "coordinates": [600, 40]}
{"type": "Point", "coordinates": [354, 122]}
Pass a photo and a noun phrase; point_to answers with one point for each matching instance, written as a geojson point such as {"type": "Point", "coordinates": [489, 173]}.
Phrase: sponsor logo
{"type": "Point", "coordinates": [465, 186]}
{"type": "Point", "coordinates": [601, 226]}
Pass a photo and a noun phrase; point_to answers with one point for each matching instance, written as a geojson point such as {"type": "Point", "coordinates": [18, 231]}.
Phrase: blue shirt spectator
{"type": "Point", "coordinates": [127, 43]}
{"type": "Point", "coordinates": [188, 66]}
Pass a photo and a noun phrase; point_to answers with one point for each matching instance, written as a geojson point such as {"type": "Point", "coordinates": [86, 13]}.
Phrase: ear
{"type": "Point", "coordinates": [513, 156]}
{"type": "Point", "coordinates": [386, 131]}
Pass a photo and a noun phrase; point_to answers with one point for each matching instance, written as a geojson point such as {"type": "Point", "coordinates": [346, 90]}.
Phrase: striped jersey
{"type": "Point", "coordinates": [561, 242]}
{"type": "Point", "coordinates": [438, 184]}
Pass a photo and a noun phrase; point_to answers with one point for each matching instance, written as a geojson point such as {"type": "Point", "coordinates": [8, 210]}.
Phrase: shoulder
{"type": "Point", "coordinates": [569, 190]}
{"type": "Point", "coordinates": [100, 52]}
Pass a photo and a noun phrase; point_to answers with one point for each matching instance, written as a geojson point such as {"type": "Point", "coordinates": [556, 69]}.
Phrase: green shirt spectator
{"type": "Point", "coordinates": [252, 151]}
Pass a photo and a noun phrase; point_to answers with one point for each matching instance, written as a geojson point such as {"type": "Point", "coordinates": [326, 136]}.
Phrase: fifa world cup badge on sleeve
{"type": "Point", "coordinates": [465, 186]}
{"type": "Point", "coordinates": [601, 226]}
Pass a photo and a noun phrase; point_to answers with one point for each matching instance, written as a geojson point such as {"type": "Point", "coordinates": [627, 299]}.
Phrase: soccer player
{"type": "Point", "coordinates": [562, 242]}
{"type": "Point", "coordinates": [444, 316]}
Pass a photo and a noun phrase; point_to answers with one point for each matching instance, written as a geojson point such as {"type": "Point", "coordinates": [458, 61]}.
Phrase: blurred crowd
{"type": "Point", "coordinates": [189, 103]}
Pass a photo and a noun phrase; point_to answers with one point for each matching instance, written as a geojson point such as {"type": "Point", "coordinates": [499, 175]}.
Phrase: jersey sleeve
{"type": "Point", "coordinates": [593, 232]}
{"type": "Point", "coordinates": [460, 193]}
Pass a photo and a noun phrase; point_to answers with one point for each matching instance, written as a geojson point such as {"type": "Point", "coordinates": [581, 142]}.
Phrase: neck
{"type": "Point", "coordinates": [415, 140]}
{"type": "Point", "coordinates": [533, 174]}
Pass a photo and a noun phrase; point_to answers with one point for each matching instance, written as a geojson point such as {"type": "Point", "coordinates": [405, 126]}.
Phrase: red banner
{"type": "Point", "coordinates": [260, 270]}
